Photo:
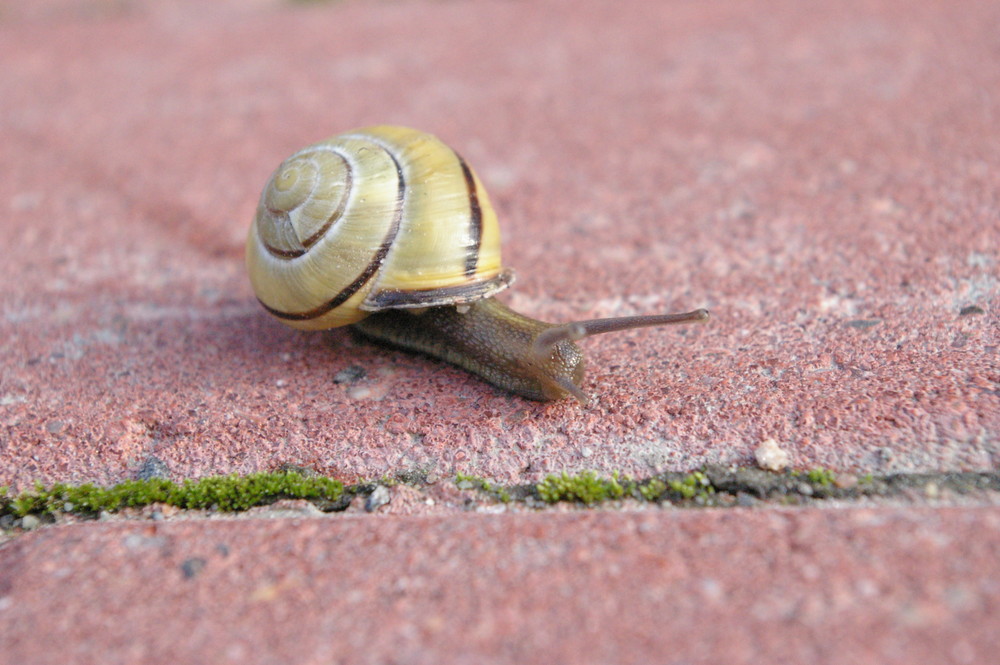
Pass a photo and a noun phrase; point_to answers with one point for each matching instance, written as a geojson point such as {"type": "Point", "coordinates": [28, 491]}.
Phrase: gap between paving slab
{"type": "Point", "coordinates": [271, 494]}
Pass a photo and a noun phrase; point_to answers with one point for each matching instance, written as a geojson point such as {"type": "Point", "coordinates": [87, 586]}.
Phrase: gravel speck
{"type": "Point", "coordinates": [378, 498]}
{"type": "Point", "coordinates": [192, 567]}
{"type": "Point", "coordinates": [349, 374]}
{"type": "Point", "coordinates": [153, 467]}
{"type": "Point", "coordinates": [30, 522]}
{"type": "Point", "coordinates": [771, 457]}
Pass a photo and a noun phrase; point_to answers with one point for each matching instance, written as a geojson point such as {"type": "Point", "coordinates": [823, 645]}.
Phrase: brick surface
{"type": "Point", "coordinates": [738, 586]}
{"type": "Point", "coordinates": [824, 179]}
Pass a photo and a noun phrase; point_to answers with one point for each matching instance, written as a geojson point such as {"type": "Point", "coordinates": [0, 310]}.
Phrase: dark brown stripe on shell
{"type": "Point", "coordinates": [475, 219]}
{"type": "Point", "coordinates": [369, 270]}
{"type": "Point", "coordinates": [282, 253]}
{"type": "Point", "coordinates": [338, 213]}
{"type": "Point", "coordinates": [449, 295]}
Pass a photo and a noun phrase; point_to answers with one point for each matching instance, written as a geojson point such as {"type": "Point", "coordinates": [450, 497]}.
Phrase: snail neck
{"type": "Point", "coordinates": [489, 339]}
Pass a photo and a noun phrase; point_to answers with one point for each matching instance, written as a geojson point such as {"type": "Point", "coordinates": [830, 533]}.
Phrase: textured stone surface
{"type": "Point", "coordinates": [738, 586]}
{"type": "Point", "coordinates": [824, 178]}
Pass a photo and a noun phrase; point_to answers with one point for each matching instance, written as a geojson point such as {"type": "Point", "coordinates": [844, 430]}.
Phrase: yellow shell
{"type": "Point", "coordinates": [379, 218]}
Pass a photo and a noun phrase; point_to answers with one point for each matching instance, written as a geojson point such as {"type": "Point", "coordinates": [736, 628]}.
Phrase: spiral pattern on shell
{"type": "Point", "coordinates": [379, 218]}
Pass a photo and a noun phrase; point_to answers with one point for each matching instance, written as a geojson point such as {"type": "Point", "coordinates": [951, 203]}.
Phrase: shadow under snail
{"type": "Point", "coordinates": [389, 230]}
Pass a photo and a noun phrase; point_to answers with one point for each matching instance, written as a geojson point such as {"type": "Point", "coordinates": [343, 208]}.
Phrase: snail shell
{"type": "Point", "coordinates": [378, 218]}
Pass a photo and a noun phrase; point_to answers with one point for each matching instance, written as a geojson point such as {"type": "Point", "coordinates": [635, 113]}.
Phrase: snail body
{"type": "Point", "coordinates": [388, 229]}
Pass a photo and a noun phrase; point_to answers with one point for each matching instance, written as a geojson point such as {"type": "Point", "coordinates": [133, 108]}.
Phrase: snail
{"type": "Point", "coordinates": [387, 229]}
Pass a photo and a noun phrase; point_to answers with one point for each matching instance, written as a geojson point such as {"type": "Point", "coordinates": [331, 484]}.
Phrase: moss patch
{"type": "Point", "coordinates": [589, 488]}
{"type": "Point", "coordinates": [693, 486]}
{"type": "Point", "coordinates": [467, 482]}
{"type": "Point", "coordinates": [226, 493]}
{"type": "Point", "coordinates": [821, 477]}
{"type": "Point", "coordinates": [584, 487]}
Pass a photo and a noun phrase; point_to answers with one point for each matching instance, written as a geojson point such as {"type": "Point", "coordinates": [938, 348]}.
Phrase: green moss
{"type": "Point", "coordinates": [232, 493]}
{"type": "Point", "coordinates": [821, 477]}
{"type": "Point", "coordinates": [652, 489]}
{"type": "Point", "coordinates": [585, 487]}
{"type": "Point", "coordinates": [589, 488]}
{"type": "Point", "coordinates": [712, 486]}
{"type": "Point", "coordinates": [467, 482]}
{"type": "Point", "coordinates": [226, 493]}
{"type": "Point", "coordinates": [694, 485]}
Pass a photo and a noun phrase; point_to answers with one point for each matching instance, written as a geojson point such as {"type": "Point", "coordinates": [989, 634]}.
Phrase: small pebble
{"type": "Point", "coordinates": [191, 567]}
{"type": "Point", "coordinates": [30, 522]}
{"type": "Point", "coordinates": [359, 392]}
{"type": "Point", "coordinates": [153, 467]}
{"type": "Point", "coordinates": [349, 374]}
{"type": "Point", "coordinates": [378, 498]}
{"type": "Point", "coordinates": [771, 457]}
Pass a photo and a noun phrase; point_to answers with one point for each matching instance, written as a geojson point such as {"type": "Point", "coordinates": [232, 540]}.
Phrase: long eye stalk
{"type": "Point", "coordinates": [547, 340]}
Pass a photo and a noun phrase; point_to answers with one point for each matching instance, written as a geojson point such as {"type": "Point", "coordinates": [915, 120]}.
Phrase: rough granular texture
{"type": "Point", "coordinates": [829, 586]}
{"type": "Point", "coordinates": [823, 177]}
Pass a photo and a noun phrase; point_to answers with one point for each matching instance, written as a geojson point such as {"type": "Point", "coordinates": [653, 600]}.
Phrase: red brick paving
{"type": "Point", "coordinates": [824, 179]}
{"type": "Point", "coordinates": [831, 586]}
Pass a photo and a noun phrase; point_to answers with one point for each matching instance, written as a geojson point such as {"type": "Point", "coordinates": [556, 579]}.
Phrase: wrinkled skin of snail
{"type": "Point", "coordinates": [489, 339]}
